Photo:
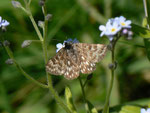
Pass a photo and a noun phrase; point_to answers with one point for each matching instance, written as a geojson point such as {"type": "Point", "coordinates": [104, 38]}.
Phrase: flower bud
{"type": "Point", "coordinates": [16, 4]}
{"type": "Point", "coordinates": [130, 33]}
{"type": "Point", "coordinates": [26, 43]}
{"type": "Point", "coordinates": [41, 24]}
{"type": "Point", "coordinates": [89, 77]}
{"type": "Point", "coordinates": [41, 2]}
{"type": "Point", "coordinates": [9, 61]}
{"type": "Point", "coordinates": [125, 31]}
{"type": "Point", "coordinates": [48, 17]}
{"type": "Point", "coordinates": [110, 46]}
{"type": "Point", "coordinates": [4, 29]}
{"type": "Point", "coordinates": [113, 65]}
{"type": "Point", "coordinates": [6, 43]}
{"type": "Point", "coordinates": [129, 37]}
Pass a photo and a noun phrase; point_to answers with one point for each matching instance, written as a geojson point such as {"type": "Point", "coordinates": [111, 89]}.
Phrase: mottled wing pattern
{"type": "Point", "coordinates": [89, 55]}
{"type": "Point", "coordinates": [72, 70]}
{"type": "Point", "coordinates": [64, 63]}
{"type": "Point", "coordinates": [72, 64]}
{"type": "Point", "coordinates": [57, 64]}
{"type": "Point", "coordinates": [79, 57]}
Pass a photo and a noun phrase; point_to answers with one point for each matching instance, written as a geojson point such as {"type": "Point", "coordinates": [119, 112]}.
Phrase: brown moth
{"type": "Point", "coordinates": [74, 58]}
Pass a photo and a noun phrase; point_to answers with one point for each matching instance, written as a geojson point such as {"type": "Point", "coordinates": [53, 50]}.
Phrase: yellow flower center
{"type": "Point", "coordinates": [123, 24]}
{"type": "Point", "coordinates": [113, 29]}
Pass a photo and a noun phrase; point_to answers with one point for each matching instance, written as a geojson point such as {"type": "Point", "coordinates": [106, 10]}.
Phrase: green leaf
{"type": "Point", "coordinates": [69, 100]}
{"type": "Point", "coordinates": [146, 41]}
{"type": "Point", "coordinates": [145, 22]}
{"type": "Point", "coordinates": [130, 109]}
{"type": "Point", "coordinates": [92, 108]}
{"type": "Point", "coordinates": [141, 31]}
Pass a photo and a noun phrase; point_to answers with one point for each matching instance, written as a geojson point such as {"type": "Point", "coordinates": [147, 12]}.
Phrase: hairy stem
{"type": "Point", "coordinates": [106, 106]}
{"type": "Point", "coordinates": [49, 80]}
{"type": "Point", "coordinates": [9, 52]}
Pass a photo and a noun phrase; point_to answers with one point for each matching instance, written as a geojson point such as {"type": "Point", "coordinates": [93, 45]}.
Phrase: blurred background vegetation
{"type": "Point", "coordinates": [71, 19]}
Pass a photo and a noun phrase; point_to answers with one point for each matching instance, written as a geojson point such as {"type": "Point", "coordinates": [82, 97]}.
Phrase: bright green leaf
{"type": "Point", "coordinates": [69, 100]}
{"type": "Point", "coordinates": [144, 23]}
{"type": "Point", "coordinates": [130, 109]}
{"type": "Point", "coordinates": [146, 41]}
{"type": "Point", "coordinates": [92, 108]}
{"type": "Point", "coordinates": [141, 31]}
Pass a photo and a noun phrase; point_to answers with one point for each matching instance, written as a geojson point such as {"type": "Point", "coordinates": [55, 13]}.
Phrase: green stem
{"type": "Point", "coordinates": [106, 106]}
{"type": "Point", "coordinates": [54, 93]}
{"type": "Point", "coordinates": [35, 26]}
{"type": "Point", "coordinates": [49, 80]}
{"type": "Point", "coordinates": [28, 11]}
{"type": "Point", "coordinates": [9, 52]}
{"type": "Point", "coordinates": [146, 12]}
{"type": "Point", "coordinates": [84, 98]}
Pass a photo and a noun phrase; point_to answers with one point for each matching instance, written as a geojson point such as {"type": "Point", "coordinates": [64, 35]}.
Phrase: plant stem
{"type": "Point", "coordinates": [106, 106]}
{"type": "Point", "coordinates": [49, 80]}
{"type": "Point", "coordinates": [9, 52]}
{"type": "Point", "coordinates": [146, 12]}
{"type": "Point", "coordinates": [84, 98]}
{"type": "Point", "coordinates": [28, 11]}
{"type": "Point", "coordinates": [54, 93]}
{"type": "Point", "coordinates": [35, 26]}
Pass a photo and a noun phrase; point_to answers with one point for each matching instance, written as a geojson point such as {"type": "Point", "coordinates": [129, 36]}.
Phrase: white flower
{"type": "Point", "coordinates": [123, 22]}
{"type": "Point", "coordinates": [60, 45]}
{"type": "Point", "coordinates": [104, 28]}
{"type": "Point", "coordinates": [145, 111]}
{"type": "Point", "coordinates": [112, 27]}
{"type": "Point", "coordinates": [3, 22]}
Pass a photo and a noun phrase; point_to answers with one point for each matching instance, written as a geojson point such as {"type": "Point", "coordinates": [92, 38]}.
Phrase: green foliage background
{"type": "Point", "coordinates": [71, 20]}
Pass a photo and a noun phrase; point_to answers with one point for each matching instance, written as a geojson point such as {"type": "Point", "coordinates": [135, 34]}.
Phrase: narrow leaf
{"type": "Point", "coordinates": [130, 109]}
{"type": "Point", "coordinates": [145, 22]}
{"type": "Point", "coordinates": [92, 108]}
{"type": "Point", "coordinates": [141, 31]}
{"type": "Point", "coordinates": [69, 100]}
{"type": "Point", "coordinates": [147, 46]}
{"type": "Point", "coordinates": [146, 41]}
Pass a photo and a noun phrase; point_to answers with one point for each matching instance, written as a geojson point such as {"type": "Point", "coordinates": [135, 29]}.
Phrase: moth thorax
{"type": "Point", "coordinates": [68, 45]}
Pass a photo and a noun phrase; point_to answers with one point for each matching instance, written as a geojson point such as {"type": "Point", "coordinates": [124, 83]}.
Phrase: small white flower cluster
{"type": "Point", "coordinates": [145, 111]}
{"type": "Point", "coordinates": [113, 26]}
{"type": "Point", "coordinates": [60, 45]}
{"type": "Point", "coordinates": [3, 23]}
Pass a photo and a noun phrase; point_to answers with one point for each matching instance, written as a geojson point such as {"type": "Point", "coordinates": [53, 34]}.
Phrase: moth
{"type": "Point", "coordinates": [76, 58]}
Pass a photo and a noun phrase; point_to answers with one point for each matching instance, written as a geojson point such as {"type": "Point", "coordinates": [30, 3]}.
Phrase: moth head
{"type": "Point", "coordinates": [68, 45]}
